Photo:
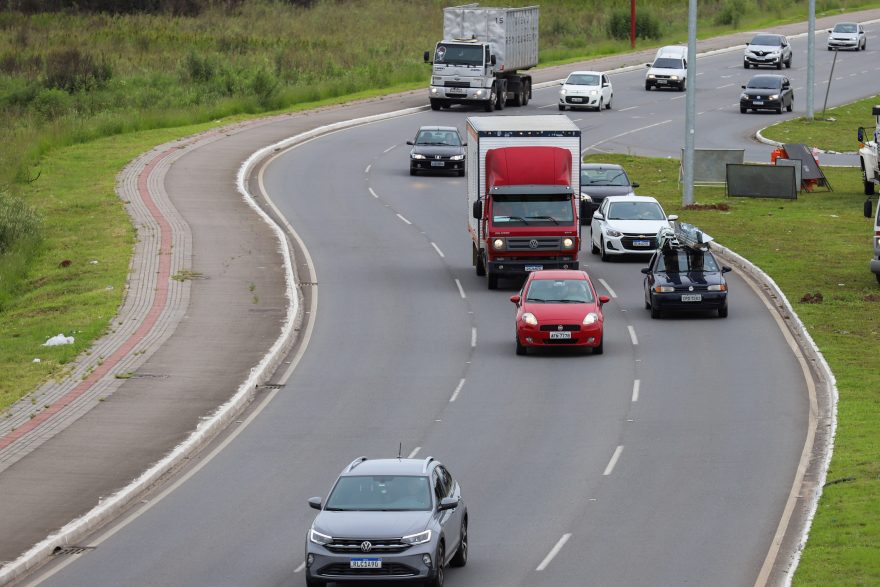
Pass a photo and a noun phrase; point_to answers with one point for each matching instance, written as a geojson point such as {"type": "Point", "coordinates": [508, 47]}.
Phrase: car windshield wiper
{"type": "Point", "coordinates": [544, 218]}
{"type": "Point", "coordinates": [563, 301]}
{"type": "Point", "coordinates": [535, 300]}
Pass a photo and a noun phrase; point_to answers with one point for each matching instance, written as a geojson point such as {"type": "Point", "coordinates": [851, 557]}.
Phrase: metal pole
{"type": "Point", "coordinates": [690, 108]}
{"type": "Point", "coordinates": [811, 56]}
{"type": "Point", "coordinates": [830, 77]}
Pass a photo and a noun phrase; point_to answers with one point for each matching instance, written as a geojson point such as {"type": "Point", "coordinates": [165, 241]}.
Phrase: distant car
{"type": "Point", "coordinates": [767, 92]}
{"type": "Point", "coordinates": [388, 519]}
{"type": "Point", "coordinates": [559, 308]}
{"type": "Point", "coordinates": [683, 278]}
{"type": "Point", "coordinates": [437, 148]}
{"type": "Point", "coordinates": [626, 225]}
{"type": "Point", "coordinates": [586, 89]}
{"type": "Point", "coordinates": [599, 180]}
{"type": "Point", "coordinates": [767, 49]}
{"type": "Point", "coordinates": [847, 35]}
{"type": "Point", "coordinates": [669, 70]}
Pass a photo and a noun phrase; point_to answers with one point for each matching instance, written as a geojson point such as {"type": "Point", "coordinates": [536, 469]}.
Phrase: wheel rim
{"type": "Point", "coordinates": [440, 566]}
{"type": "Point", "coordinates": [464, 545]}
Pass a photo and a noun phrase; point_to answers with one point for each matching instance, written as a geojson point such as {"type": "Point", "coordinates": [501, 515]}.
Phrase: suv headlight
{"type": "Point", "coordinates": [529, 318]}
{"type": "Point", "coordinates": [419, 538]}
{"type": "Point", "coordinates": [591, 318]}
{"type": "Point", "coordinates": [319, 538]}
{"type": "Point", "coordinates": [774, 97]}
{"type": "Point", "coordinates": [743, 96]}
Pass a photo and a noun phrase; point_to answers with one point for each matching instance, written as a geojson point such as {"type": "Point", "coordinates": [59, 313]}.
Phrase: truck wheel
{"type": "Point", "coordinates": [501, 100]}
{"type": "Point", "coordinates": [869, 185]}
{"type": "Point", "coordinates": [478, 263]}
{"type": "Point", "coordinates": [492, 278]}
{"type": "Point", "coordinates": [527, 93]}
{"type": "Point", "coordinates": [435, 104]}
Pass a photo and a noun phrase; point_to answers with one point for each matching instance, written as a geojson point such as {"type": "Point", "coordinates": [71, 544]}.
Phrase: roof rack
{"type": "Point", "coordinates": [355, 463]}
{"type": "Point", "coordinates": [683, 234]}
{"type": "Point", "coordinates": [428, 461]}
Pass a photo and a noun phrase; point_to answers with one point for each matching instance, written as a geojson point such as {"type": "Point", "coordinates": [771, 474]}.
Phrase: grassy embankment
{"type": "Point", "coordinates": [818, 244]}
{"type": "Point", "coordinates": [835, 130]}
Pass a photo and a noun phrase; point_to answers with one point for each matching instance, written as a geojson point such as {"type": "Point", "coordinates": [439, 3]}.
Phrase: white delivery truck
{"type": "Point", "coordinates": [523, 188]}
{"type": "Point", "coordinates": [481, 55]}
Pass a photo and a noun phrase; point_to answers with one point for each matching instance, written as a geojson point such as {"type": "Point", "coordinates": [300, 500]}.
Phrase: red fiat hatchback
{"type": "Point", "coordinates": [559, 308]}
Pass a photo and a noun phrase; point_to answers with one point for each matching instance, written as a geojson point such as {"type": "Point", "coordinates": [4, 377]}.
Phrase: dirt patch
{"type": "Point", "coordinates": [722, 206]}
{"type": "Point", "coordinates": [810, 298]}
{"type": "Point", "coordinates": [872, 298]}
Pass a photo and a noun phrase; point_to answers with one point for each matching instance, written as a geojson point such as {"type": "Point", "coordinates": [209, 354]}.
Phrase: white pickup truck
{"type": "Point", "coordinates": [868, 154]}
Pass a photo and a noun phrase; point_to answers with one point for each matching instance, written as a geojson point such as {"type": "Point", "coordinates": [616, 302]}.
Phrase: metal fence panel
{"type": "Point", "coordinates": [798, 168]}
{"type": "Point", "coordinates": [761, 181]}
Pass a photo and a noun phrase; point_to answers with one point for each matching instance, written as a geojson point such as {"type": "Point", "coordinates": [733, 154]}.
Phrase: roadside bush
{"type": "Point", "coordinates": [50, 104]}
{"type": "Point", "coordinates": [71, 70]}
{"type": "Point", "coordinates": [647, 25]}
{"type": "Point", "coordinates": [18, 223]}
{"type": "Point", "coordinates": [264, 85]}
{"type": "Point", "coordinates": [731, 13]}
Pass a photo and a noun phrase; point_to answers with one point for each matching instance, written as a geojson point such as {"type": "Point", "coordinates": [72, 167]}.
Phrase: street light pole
{"type": "Point", "coordinates": [690, 108]}
{"type": "Point", "coordinates": [811, 56]}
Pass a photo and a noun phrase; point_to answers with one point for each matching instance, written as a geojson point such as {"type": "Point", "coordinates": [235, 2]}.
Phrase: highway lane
{"type": "Point", "coordinates": [710, 435]}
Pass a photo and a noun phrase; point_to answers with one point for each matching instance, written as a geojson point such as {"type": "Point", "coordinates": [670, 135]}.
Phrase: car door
{"type": "Point", "coordinates": [596, 224]}
{"type": "Point", "coordinates": [445, 518]}
{"type": "Point", "coordinates": [453, 525]}
{"type": "Point", "coordinates": [606, 89]}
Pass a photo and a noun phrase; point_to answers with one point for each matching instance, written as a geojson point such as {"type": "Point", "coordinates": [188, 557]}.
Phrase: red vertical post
{"type": "Point", "coordinates": [632, 24]}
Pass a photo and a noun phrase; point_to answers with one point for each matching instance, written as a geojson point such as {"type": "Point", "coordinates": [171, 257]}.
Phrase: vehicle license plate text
{"type": "Point", "coordinates": [366, 563]}
{"type": "Point", "coordinates": [534, 267]}
{"type": "Point", "coordinates": [691, 297]}
{"type": "Point", "coordinates": [558, 335]}
{"type": "Point", "coordinates": [438, 164]}
{"type": "Point", "coordinates": [577, 99]}
{"type": "Point", "coordinates": [641, 243]}
{"type": "Point", "coordinates": [758, 102]}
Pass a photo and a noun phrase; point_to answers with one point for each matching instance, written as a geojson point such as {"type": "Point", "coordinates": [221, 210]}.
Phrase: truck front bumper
{"type": "Point", "coordinates": [460, 95]}
{"type": "Point", "coordinates": [519, 267]}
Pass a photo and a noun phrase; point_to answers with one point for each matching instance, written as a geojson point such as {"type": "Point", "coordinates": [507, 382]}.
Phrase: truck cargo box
{"type": "Point", "coordinates": [511, 32]}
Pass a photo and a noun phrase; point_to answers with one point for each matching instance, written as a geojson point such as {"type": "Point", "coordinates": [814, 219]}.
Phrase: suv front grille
{"type": "Point", "coordinates": [388, 569]}
{"type": "Point", "coordinates": [353, 545]}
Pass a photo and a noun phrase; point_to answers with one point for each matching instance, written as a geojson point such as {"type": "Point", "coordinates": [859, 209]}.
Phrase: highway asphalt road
{"type": "Point", "coordinates": [666, 461]}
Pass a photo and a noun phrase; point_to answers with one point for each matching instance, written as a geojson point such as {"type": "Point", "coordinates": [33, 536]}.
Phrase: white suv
{"type": "Point", "coordinates": [768, 49]}
{"type": "Point", "coordinates": [627, 225]}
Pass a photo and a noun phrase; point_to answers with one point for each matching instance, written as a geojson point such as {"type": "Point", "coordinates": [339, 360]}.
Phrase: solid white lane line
{"type": "Point", "coordinates": [553, 552]}
{"type": "Point", "coordinates": [623, 134]}
{"type": "Point", "coordinates": [632, 335]}
{"type": "Point", "coordinates": [389, 148]}
{"type": "Point", "coordinates": [404, 219]}
{"type": "Point", "coordinates": [607, 287]}
{"type": "Point", "coordinates": [627, 108]}
{"type": "Point", "coordinates": [414, 452]}
{"type": "Point", "coordinates": [439, 252]}
{"type": "Point", "coordinates": [367, 170]}
{"type": "Point", "coordinates": [636, 385]}
{"type": "Point", "coordinates": [613, 460]}
{"type": "Point", "coordinates": [474, 336]}
{"type": "Point", "coordinates": [460, 289]}
{"type": "Point", "coordinates": [457, 390]}
{"type": "Point", "coordinates": [301, 566]}
{"type": "Point", "coordinates": [374, 194]}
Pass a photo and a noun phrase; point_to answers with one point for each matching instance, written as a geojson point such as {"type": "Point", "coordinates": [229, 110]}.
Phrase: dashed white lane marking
{"type": "Point", "coordinates": [474, 336]}
{"type": "Point", "coordinates": [367, 170]}
{"type": "Point", "coordinates": [460, 289]}
{"type": "Point", "coordinates": [439, 252]}
{"type": "Point", "coordinates": [577, 119]}
{"type": "Point", "coordinates": [301, 566]}
{"type": "Point", "coordinates": [627, 108]}
{"type": "Point", "coordinates": [607, 287]}
{"type": "Point", "coordinates": [547, 106]}
{"type": "Point", "coordinates": [632, 335]}
{"type": "Point", "coordinates": [724, 86]}
{"type": "Point", "coordinates": [404, 219]}
{"type": "Point", "coordinates": [636, 385]}
{"type": "Point", "coordinates": [553, 552]}
{"type": "Point", "coordinates": [372, 193]}
{"type": "Point", "coordinates": [414, 452]}
{"type": "Point", "coordinates": [679, 97]}
{"type": "Point", "coordinates": [613, 460]}
{"type": "Point", "coordinates": [457, 390]}
{"type": "Point", "coordinates": [389, 148]}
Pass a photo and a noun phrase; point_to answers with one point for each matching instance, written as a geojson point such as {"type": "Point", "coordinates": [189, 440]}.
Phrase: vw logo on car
{"type": "Point", "coordinates": [366, 546]}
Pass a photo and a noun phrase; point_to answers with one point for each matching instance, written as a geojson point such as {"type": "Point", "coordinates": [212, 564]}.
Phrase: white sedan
{"type": "Point", "coordinates": [586, 89]}
{"type": "Point", "coordinates": [625, 225]}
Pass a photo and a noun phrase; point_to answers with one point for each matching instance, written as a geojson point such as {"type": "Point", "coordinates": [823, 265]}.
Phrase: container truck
{"type": "Point", "coordinates": [523, 187]}
{"type": "Point", "coordinates": [481, 55]}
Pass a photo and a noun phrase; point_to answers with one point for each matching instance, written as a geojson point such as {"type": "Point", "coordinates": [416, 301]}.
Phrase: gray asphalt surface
{"type": "Point", "coordinates": [392, 342]}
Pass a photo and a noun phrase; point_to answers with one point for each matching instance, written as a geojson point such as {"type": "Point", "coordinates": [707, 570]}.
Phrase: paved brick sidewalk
{"type": "Point", "coordinates": [189, 343]}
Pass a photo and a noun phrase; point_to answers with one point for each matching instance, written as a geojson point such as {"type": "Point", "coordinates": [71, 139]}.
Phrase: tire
{"type": "Point", "coordinates": [461, 173]}
{"type": "Point", "coordinates": [492, 279]}
{"type": "Point", "coordinates": [500, 100]}
{"type": "Point", "coordinates": [435, 104]}
{"type": "Point", "coordinates": [593, 248]}
{"type": "Point", "coordinates": [722, 311]}
{"type": "Point", "coordinates": [314, 582]}
{"type": "Point", "coordinates": [490, 104]}
{"type": "Point", "coordinates": [869, 185]}
{"type": "Point", "coordinates": [437, 579]}
{"type": "Point", "coordinates": [655, 311]}
{"type": "Point", "coordinates": [779, 65]}
{"type": "Point", "coordinates": [521, 349]}
{"type": "Point", "coordinates": [412, 171]}
{"type": "Point", "coordinates": [518, 99]}
{"type": "Point", "coordinates": [864, 48]}
{"type": "Point", "coordinates": [647, 87]}
{"type": "Point", "coordinates": [602, 254]}
{"type": "Point", "coordinates": [829, 48]}
{"type": "Point", "coordinates": [598, 350]}
{"type": "Point", "coordinates": [561, 108]}
{"type": "Point", "coordinates": [743, 109]}
{"type": "Point", "coordinates": [608, 105]}
{"type": "Point", "coordinates": [745, 64]}
{"type": "Point", "coordinates": [788, 63]}
{"type": "Point", "coordinates": [682, 87]}
{"type": "Point", "coordinates": [601, 105]}
{"type": "Point", "coordinates": [461, 555]}
{"type": "Point", "coordinates": [779, 110]}
{"type": "Point", "coordinates": [478, 261]}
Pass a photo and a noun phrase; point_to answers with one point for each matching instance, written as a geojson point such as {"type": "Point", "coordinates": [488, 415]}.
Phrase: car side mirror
{"type": "Point", "coordinates": [478, 210]}
{"type": "Point", "coordinates": [672, 217]}
{"type": "Point", "coordinates": [867, 208]}
{"type": "Point", "coordinates": [829, 30]}
{"type": "Point", "coordinates": [647, 65]}
{"type": "Point", "coordinates": [464, 144]}
{"type": "Point", "coordinates": [410, 143]}
{"type": "Point", "coordinates": [726, 269]}
{"type": "Point", "coordinates": [427, 57]}
{"type": "Point", "coordinates": [515, 299]}
{"type": "Point", "coordinates": [635, 184]}
{"type": "Point", "coordinates": [598, 215]}
{"type": "Point", "coordinates": [861, 134]}
{"type": "Point", "coordinates": [743, 87]}
{"type": "Point", "coordinates": [646, 270]}
{"type": "Point", "coordinates": [448, 503]}
{"type": "Point", "coordinates": [315, 503]}
{"type": "Point", "coordinates": [604, 300]}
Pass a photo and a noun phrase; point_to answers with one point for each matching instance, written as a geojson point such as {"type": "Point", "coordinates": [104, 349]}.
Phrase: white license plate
{"type": "Point", "coordinates": [454, 91]}
{"type": "Point", "coordinates": [661, 81]}
{"type": "Point", "coordinates": [691, 297]}
{"type": "Point", "coordinates": [534, 267]}
{"type": "Point", "coordinates": [758, 102]}
{"type": "Point", "coordinates": [563, 334]}
{"type": "Point", "coordinates": [438, 164]}
{"type": "Point", "coordinates": [577, 99]}
{"type": "Point", "coordinates": [366, 563]}
{"type": "Point", "coordinates": [641, 243]}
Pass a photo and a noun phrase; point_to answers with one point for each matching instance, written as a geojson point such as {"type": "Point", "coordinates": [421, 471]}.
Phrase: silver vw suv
{"type": "Point", "coordinates": [388, 520]}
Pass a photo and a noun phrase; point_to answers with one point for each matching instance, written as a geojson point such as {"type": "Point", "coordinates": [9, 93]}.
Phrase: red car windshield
{"type": "Point", "coordinates": [560, 291]}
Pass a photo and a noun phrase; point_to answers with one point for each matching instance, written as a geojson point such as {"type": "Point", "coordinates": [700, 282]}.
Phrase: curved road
{"type": "Point", "coordinates": [666, 461]}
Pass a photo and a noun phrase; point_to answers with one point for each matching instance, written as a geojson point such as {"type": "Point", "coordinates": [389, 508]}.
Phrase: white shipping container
{"type": "Point", "coordinates": [511, 32]}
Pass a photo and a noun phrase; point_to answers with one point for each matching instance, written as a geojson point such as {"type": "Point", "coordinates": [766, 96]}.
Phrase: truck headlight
{"type": "Point", "coordinates": [435, 91]}
{"type": "Point", "coordinates": [529, 318]}
{"type": "Point", "coordinates": [498, 243]}
{"type": "Point", "coordinates": [591, 318]}
{"type": "Point", "coordinates": [479, 93]}
{"type": "Point", "coordinates": [567, 243]}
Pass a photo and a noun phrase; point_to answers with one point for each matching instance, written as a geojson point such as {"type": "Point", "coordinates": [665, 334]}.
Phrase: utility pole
{"type": "Point", "coordinates": [690, 108]}
{"type": "Point", "coordinates": [811, 56]}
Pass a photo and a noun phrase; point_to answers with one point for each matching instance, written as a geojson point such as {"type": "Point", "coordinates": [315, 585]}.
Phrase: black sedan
{"type": "Point", "coordinates": [437, 148]}
{"type": "Point", "coordinates": [598, 181]}
{"type": "Point", "coordinates": [767, 92]}
{"type": "Point", "coordinates": [683, 278]}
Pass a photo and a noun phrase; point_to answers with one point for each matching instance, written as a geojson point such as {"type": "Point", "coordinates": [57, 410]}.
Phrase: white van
{"type": "Point", "coordinates": [669, 69]}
